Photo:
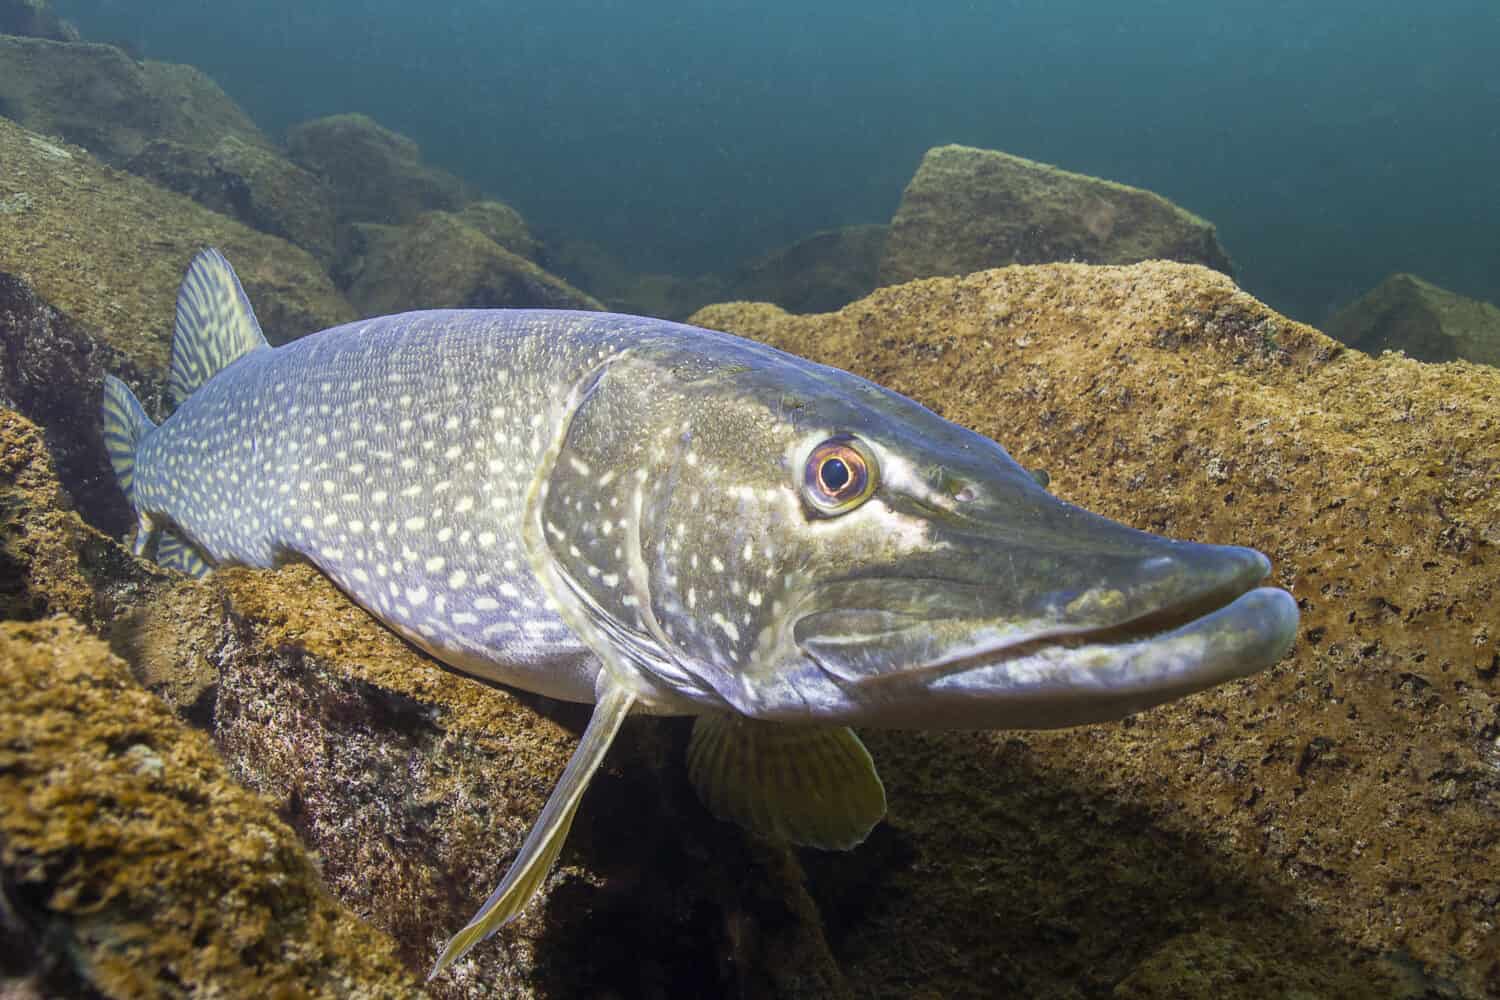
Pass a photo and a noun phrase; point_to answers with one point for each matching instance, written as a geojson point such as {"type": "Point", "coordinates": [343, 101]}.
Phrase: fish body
{"type": "Point", "coordinates": [659, 518]}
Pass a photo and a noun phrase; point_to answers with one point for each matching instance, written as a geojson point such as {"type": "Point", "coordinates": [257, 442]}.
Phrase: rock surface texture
{"type": "Point", "coordinates": [969, 209]}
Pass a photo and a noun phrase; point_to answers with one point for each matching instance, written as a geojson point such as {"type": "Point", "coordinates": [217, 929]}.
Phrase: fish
{"type": "Point", "coordinates": [665, 520]}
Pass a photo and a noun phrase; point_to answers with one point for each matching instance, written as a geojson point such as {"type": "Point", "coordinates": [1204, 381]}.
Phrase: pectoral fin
{"type": "Point", "coordinates": [547, 836]}
{"type": "Point", "coordinates": [814, 786]}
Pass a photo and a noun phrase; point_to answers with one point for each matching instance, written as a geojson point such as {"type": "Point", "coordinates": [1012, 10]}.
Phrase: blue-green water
{"type": "Point", "coordinates": [1332, 143]}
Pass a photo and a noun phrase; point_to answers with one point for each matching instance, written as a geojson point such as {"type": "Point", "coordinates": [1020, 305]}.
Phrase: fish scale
{"type": "Point", "coordinates": [658, 518]}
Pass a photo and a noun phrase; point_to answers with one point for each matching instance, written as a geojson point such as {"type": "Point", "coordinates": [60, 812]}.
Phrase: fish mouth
{"type": "Point", "coordinates": [940, 653]}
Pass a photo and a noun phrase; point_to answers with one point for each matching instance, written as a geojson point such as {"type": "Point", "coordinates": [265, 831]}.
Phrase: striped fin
{"type": "Point", "coordinates": [175, 552]}
{"type": "Point", "coordinates": [125, 423]}
{"type": "Point", "coordinates": [814, 786]}
{"type": "Point", "coordinates": [215, 324]}
{"type": "Point", "coordinates": [547, 836]}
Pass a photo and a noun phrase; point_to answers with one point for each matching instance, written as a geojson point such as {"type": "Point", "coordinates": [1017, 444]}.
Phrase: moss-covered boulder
{"type": "Point", "coordinates": [132, 864]}
{"type": "Point", "coordinates": [505, 226]}
{"type": "Point", "coordinates": [969, 209]}
{"type": "Point", "coordinates": [377, 175]}
{"type": "Point", "coordinates": [1332, 820]}
{"type": "Point", "coordinates": [440, 261]}
{"type": "Point", "coordinates": [824, 272]}
{"type": "Point", "coordinates": [109, 249]}
{"type": "Point", "coordinates": [101, 99]}
{"type": "Point", "coordinates": [1405, 313]}
{"type": "Point", "coordinates": [248, 182]}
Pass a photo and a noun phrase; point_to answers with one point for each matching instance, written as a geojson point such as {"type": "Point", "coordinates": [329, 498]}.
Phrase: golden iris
{"type": "Point", "coordinates": [840, 475]}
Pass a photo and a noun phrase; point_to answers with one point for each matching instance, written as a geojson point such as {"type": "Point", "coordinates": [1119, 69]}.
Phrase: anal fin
{"type": "Point", "coordinates": [175, 552]}
{"type": "Point", "coordinates": [814, 786]}
{"type": "Point", "coordinates": [546, 838]}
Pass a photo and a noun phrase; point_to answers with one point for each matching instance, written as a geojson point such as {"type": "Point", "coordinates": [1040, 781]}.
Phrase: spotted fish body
{"type": "Point", "coordinates": [659, 518]}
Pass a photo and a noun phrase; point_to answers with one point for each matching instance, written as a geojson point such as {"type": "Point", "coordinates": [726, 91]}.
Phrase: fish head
{"type": "Point", "coordinates": [788, 541]}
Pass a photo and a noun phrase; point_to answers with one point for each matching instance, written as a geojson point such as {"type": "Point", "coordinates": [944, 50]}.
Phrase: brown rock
{"type": "Point", "coordinates": [1405, 313]}
{"type": "Point", "coordinates": [1337, 811]}
{"type": "Point", "coordinates": [970, 209]}
{"type": "Point", "coordinates": [132, 865]}
{"type": "Point", "coordinates": [377, 175]}
{"type": "Point", "coordinates": [440, 261]}
{"type": "Point", "coordinates": [109, 250]}
{"type": "Point", "coordinates": [822, 273]}
{"type": "Point", "coordinates": [99, 98]}
{"type": "Point", "coordinates": [248, 182]}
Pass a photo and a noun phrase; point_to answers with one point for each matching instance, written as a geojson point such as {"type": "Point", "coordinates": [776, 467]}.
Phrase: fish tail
{"type": "Point", "coordinates": [125, 424]}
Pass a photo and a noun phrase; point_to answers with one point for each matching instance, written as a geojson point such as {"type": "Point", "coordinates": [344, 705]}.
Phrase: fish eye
{"type": "Point", "coordinates": [840, 475]}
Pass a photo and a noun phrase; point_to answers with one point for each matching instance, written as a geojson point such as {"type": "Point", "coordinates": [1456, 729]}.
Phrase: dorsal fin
{"type": "Point", "coordinates": [215, 324]}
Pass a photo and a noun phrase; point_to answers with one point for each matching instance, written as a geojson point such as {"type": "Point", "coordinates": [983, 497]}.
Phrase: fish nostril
{"type": "Point", "coordinates": [964, 494]}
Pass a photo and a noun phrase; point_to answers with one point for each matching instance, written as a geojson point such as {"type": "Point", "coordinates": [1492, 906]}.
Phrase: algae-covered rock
{"type": "Point", "coordinates": [248, 182]}
{"type": "Point", "coordinates": [1405, 313]}
{"type": "Point", "coordinates": [505, 226]}
{"type": "Point", "coordinates": [440, 261]}
{"type": "Point", "coordinates": [1339, 811]}
{"type": "Point", "coordinates": [377, 175]}
{"type": "Point", "coordinates": [969, 209]}
{"type": "Point", "coordinates": [823, 272]}
{"type": "Point", "coordinates": [109, 249]}
{"type": "Point", "coordinates": [132, 865]}
{"type": "Point", "coordinates": [99, 98]}
{"type": "Point", "coordinates": [51, 371]}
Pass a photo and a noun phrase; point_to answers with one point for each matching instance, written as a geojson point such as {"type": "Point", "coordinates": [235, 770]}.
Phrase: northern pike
{"type": "Point", "coordinates": [662, 519]}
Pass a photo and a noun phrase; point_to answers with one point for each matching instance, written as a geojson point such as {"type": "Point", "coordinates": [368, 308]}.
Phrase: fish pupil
{"type": "Point", "coordinates": [835, 475]}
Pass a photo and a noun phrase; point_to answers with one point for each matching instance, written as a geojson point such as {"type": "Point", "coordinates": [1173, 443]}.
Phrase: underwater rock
{"type": "Point", "coordinates": [824, 272]}
{"type": "Point", "coordinates": [48, 369]}
{"type": "Point", "coordinates": [1405, 313]}
{"type": "Point", "coordinates": [131, 864]}
{"type": "Point", "coordinates": [1338, 811]}
{"type": "Point", "coordinates": [377, 175]}
{"type": "Point", "coordinates": [248, 182]}
{"type": "Point", "coordinates": [108, 249]}
{"type": "Point", "coordinates": [505, 226]}
{"type": "Point", "coordinates": [99, 98]}
{"type": "Point", "coordinates": [969, 209]}
{"type": "Point", "coordinates": [441, 261]}
{"type": "Point", "coordinates": [35, 19]}
{"type": "Point", "coordinates": [623, 289]}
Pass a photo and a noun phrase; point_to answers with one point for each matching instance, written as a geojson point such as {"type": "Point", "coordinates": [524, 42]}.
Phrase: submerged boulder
{"type": "Point", "coordinates": [248, 182]}
{"type": "Point", "coordinates": [441, 261]}
{"type": "Point", "coordinates": [36, 19]}
{"type": "Point", "coordinates": [101, 99]}
{"type": "Point", "coordinates": [109, 249]}
{"type": "Point", "coordinates": [505, 226]}
{"type": "Point", "coordinates": [377, 175]}
{"type": "Point", "coordinates": [1331, 820]}
{"type": "Point", "coordinates": [134, 865]}
{"type": "Point", "coordinates": [1405, 313]}
{"type": "Point", "coordinates": [821, 273]}
{"type": "Point", "coordinates": [969, 209]}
